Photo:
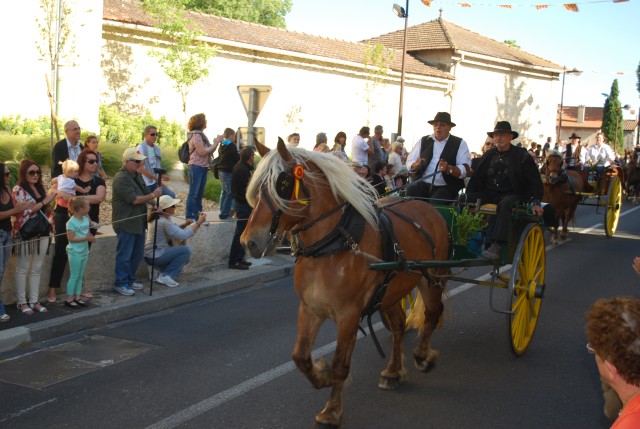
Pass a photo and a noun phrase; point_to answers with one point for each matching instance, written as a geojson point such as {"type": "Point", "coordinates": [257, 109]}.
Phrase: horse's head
{"type": "Point", "coordinates": [553, 167]}
{"type": "Point", "coordinates": [291, 186]}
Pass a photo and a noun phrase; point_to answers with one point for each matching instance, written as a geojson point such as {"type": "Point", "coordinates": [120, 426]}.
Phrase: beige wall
{"type": "Point", "coordinates": [22, 76]}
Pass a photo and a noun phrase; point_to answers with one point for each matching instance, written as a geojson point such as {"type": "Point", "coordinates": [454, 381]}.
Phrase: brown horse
{"type": "Point", "coordinates": [309, 194]}
{"type": "Point", "coordinates": [560, 191]}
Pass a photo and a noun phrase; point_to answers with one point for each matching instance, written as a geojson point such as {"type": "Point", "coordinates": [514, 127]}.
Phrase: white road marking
{"type": "Point", "coordinates": [220, 398]}
{"type": "Point", "coordinates": [26, 410]}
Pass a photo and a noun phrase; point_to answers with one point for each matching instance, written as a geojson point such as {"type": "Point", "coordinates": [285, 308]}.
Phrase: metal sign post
{"type": "Point", "coordinates": [253, 98]}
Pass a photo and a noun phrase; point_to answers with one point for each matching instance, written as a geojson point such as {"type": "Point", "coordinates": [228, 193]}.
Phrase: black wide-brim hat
{"type": "Point", "coordinates": [442, 117]}
{"type": "Point", "coordinates": [503, 127]}
{"type": "Point", "coordinates": [574, 136]}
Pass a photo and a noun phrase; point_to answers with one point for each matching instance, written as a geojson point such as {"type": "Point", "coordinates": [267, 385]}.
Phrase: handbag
{"type": "Point", "coordinates": [213, 166]}
{"type": "Point", "coordinates": [35, 227]}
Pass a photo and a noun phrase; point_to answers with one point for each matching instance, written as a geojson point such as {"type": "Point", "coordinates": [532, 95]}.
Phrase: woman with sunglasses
{"type": "Point", "coordinates": [30, 194]}
{"type": "Point", "coordinates": [7, 209]}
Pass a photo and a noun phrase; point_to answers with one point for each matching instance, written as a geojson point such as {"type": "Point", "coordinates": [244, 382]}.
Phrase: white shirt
{"type": "Point", "coordinates": [74, 151]}
{"type": "Point", "coordinates": [601, 156]}
{"type": "Point", "coordinates": [583, 155]}
{"type": "Point", "coordinates": [66, 184]}
{"type": "Point", "coordinates": [463, 157]}
{"type": "Point", "coordinates": [359, 148]}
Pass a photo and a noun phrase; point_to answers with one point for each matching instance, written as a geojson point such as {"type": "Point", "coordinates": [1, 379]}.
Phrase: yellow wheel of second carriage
{"type": "Point", "coordinates": [614, 202]}
{"type": "Point", "coordinates": [526, 287]}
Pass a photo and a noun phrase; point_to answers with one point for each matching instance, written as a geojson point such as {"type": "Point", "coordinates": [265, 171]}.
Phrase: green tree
{"type": "Point", "coordinates": [511, 43]}
{"type": "Point", "coordinates": [376, 61]}
{"type": "Point", "coordinates": [612, 118]}
{"type": "Point", "coordinates": [265, 12]}
{"type": "Point", "coordinates": [54, 45]}
{"type": "Point", "coordinates": [184, 58]}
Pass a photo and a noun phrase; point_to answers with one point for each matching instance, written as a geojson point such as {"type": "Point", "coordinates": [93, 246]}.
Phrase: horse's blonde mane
{"type": "Point", "coordinates": [346, 185]}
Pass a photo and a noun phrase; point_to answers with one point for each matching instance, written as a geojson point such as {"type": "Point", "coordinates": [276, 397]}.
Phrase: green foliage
{"type": "Point", "coordinates": [376, 60]}
{"type": "Point", "coordinates": [468, 224]}
{"type": "Point", "coordinates": [11, 147]}
{"type": "Point", "coordinates": [511, 43]}
{"type": "Point", "coordinates": [38, 150]}
{"type": "Point", "coordinates": [184, 59]}
{"type": "Point", "coordinates": [17, 125]}
{"type": "Point", "coordinates": [212, 188]}
{"type": "Point", "coordinates": [612, 125]}
{"type": "Point", "coordinates": [265, 12]}
{"type": "Point", "coordinates": [118, 127]}
{"type": "Point", "coordinates": [55, 32]}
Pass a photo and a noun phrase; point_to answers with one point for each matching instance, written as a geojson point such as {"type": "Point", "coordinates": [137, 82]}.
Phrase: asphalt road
{"type": "Point", "coordinates": [225, 362]}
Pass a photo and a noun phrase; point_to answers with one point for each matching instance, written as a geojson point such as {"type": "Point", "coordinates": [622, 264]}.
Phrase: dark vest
{"type": "Point", "coordinates": [449, 154]}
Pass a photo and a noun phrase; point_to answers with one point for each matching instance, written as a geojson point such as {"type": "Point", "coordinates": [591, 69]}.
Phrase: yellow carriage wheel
{"type": "Point", "coordinates": [614, 203]}
{"type": "Point", "coordinates": [526, 287]}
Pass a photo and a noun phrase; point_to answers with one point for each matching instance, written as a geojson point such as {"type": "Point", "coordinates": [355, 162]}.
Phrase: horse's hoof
{"type": "Point", "coordinates": [427, 363]}
{"type": "Point", "coordinates": [389, 383]}
{"type": "Point", "coordinates": [325, 426]}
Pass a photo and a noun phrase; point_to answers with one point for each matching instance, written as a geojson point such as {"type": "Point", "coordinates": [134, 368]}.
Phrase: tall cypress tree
{"type": "Point", "coordinates": [612, 119]}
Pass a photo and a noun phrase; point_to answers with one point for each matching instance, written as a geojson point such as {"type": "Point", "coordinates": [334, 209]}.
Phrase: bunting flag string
{"type": "Point", "coordinates": [572, 7]}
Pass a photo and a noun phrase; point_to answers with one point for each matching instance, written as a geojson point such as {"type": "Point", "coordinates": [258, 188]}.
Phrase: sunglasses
{"type": "Point", "coordinates": [590, 349]}
{"type": "Point", "coordinates": [153, 134]}
{"type": "Point", "coordinates": [137, 161]}
{"type": "Point", "coordinates": [34, 172]}
{"type": "Point", "coordinates": [92, 161]}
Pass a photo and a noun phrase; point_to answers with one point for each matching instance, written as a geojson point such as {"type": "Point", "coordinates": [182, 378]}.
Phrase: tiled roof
{"type": "Point", "coordinates": [592, 117]}
{"type": "Point", "coordinates": [440, 34]}
{"type": "Point", "coordinates": [131, 12]}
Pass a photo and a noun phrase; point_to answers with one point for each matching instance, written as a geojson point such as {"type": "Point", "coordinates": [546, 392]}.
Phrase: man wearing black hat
{"type": "Point", "coordinates": [442, 154]}
{"type": "Point", "coordinates": [573, 155]}
{"type": "Point", "coordinates": [506, 174]}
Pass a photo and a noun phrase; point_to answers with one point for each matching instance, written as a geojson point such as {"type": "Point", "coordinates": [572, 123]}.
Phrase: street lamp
{"type": "Point", "coordinates": [402, 13]}
{"type": "Point", "coordinates": [564, 73]}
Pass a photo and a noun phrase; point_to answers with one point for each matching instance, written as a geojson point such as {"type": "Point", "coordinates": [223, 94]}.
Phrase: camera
{"type": "Point", "coordinates": [160, 171]}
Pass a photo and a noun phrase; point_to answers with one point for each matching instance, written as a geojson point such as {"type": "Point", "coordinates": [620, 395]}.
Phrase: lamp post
{"type": "Point", "coordinates": [402, 13]}
{"type": "Point", "coordinates": [564, 73]}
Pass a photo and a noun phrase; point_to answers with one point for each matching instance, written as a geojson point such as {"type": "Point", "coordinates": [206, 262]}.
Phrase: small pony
{"type": "Point", "coordinates": [562, 190]}
{"type": "Point", "coordinates": [337, 229]}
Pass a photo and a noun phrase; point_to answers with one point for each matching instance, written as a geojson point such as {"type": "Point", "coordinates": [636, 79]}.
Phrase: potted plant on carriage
{"type": "Point", "coordinates": [468, 232]}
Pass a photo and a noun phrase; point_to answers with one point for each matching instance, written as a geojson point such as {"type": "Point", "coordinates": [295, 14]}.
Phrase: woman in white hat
{"type": "Point", "coordinates": [169, 259]}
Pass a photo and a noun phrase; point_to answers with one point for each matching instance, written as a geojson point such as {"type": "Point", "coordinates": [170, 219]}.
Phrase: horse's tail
{"type": "Point", "coordinates": [415, 319]}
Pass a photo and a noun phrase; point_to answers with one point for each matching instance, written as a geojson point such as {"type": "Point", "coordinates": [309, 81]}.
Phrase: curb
{"type": "Point", "coordinates": [94, 318]}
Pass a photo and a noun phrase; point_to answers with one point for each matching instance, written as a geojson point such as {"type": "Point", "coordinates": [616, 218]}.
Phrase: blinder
{"type": "Point", "coordinates": [288, 186]}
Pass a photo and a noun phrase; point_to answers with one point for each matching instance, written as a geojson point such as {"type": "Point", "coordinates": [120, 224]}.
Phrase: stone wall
{"type": "Point", "coordinates": [210, 247]}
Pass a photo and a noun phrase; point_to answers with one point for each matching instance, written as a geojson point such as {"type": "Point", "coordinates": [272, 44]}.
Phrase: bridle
{"type": "Point", "coordinates": [558, 173]}
{"type": "Point", "coordinates": [288, 186]}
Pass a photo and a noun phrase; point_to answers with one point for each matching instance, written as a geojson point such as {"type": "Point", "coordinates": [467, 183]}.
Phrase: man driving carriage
{"type": "Point", "coordinates": [574, 156]}
{"type": "Point", "coordinates": [443, 153]}
{"type": "Point", "coordinates": [506, 174]}
{"type": "Point", "coordinates": [600, 154]}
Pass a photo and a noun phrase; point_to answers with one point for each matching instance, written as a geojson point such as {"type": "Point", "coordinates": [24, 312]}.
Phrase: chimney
{"type": "Point", "coordinates": [580, 118]}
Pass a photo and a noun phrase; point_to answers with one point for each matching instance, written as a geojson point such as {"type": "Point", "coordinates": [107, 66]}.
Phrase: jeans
{"type": "Point", "coordinates": [226, 199]}
{"type": "Point", "coordinates": [197, 180]}
{"type": "Point", "coordinates": [59, 264]}
{"type": "Point", "coordinates": [172, 260]}
{"type": "Point", "coordinates": [30, 258]}
{"type": "Point", "coordinates": [165, 190]}
{"type": "Point", "coordinates": [236, 254]}
{"type": "Point", "coordinates": [77, 266]}
{"type": "Point", "coordinates": [129, 253]}
{"type": "Point", "coordinates": [5, 242]}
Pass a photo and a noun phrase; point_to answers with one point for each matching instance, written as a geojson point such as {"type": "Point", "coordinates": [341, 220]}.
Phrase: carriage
{"type": "Point", "coordinates": [525, 254]}
{"type": "Point", "coordinates": [566, 189]}
{"type": "Point", "coordinates": [357, 255]}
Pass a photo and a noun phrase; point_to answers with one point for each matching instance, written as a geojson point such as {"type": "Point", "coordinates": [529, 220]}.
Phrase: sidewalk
{"type": "Point", "coordinates": [109, 307]}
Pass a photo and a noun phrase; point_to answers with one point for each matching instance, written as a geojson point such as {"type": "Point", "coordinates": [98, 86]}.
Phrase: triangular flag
{"type": "Point", "coordinates": [505, 6]}
{"type": "Point", "coordinates": [571, 7]}
{"type": "Point", "coordinates": [542, 6]}
{"type": "Point", "coordinates": [619, 1]}
{"type": "Point", "coordinates": [426, 2]}
{"type": "Point", "coordinates": [465, 4]}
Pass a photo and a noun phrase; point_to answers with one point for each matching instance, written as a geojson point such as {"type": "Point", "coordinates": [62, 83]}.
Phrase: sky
{"type": "Point", "coordinates": [600, 39]}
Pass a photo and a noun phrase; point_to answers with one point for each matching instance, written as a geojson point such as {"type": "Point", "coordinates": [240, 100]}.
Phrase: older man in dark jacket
{"type": "Point", "coordinates": [506, 174]}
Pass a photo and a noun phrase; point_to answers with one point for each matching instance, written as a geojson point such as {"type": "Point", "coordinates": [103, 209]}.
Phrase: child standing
{"type": "Point", "coordinates": [66, 182]}
{"type": "Point", "coordinates": [78, 249]}
{"type": "Point", "coordinates": [92, 143]}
